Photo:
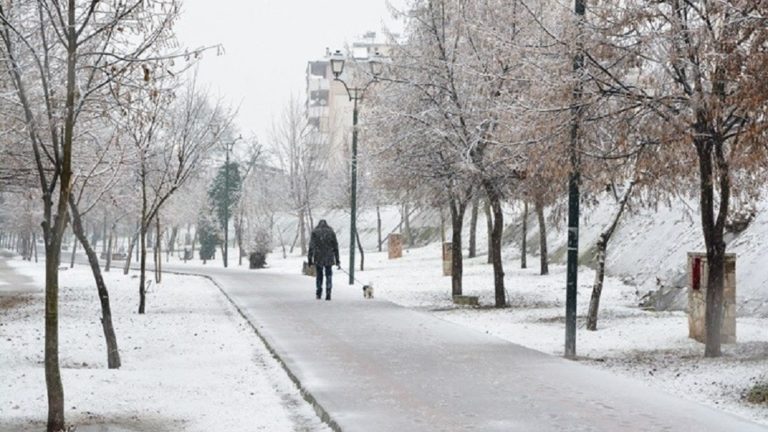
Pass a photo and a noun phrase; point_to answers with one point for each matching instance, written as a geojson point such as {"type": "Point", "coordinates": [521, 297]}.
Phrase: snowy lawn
{"type": "Point", "coordinates": [652, 346]}
{"type": "Point", "coordinates": [191, 363]}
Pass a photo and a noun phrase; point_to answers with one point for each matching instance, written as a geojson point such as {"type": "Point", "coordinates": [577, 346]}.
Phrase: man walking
{"type": "Point", "coordinates": [323, 253]}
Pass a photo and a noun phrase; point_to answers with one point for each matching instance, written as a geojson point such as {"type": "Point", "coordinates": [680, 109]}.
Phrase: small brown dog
{"type": "Point", "coordinates": [368, 291]}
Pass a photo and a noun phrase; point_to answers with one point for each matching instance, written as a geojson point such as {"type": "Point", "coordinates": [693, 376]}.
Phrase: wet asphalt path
{"type": "Point", "coordinates": [370, 365]}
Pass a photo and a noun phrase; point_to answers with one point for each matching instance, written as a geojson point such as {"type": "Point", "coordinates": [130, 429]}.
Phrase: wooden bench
{"type": "Point", "coordinates": [465, 300]}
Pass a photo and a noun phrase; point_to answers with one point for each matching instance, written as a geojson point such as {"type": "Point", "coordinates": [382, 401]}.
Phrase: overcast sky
{"type": "Point", "coordinates": [268, 44]}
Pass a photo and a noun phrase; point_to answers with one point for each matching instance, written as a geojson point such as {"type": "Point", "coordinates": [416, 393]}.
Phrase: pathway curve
{"type": "Point", "coordinates": [370, 365]}
{"type": "Point", "coordinates": [13, 284]}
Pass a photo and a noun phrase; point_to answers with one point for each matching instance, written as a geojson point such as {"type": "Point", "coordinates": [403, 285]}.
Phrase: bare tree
{"type": "Point", "coordinates": [60, 57]}
{"type": "Point", "coordinates": [102, 166]}
{"type": "Point", "coordinates": [171, 136]}
{"type": "Point", "coordinates": [302, 153]}
{"type": "Point", "coordinates": [460, 81]}
{"type": "Point", "coordinates": [695, 65]}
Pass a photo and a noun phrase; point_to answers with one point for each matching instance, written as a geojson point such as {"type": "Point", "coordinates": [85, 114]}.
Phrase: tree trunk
{"type": "Point", "coordinates": [295, 239]}
{"type": "Point", "coordinates": [407, 222]}
{"type": "Point", "coordinates": [34, 244]}
{"type": "Point", "coordinates": [188, 241]}
{"type": "Point", "coordinates": [597, 288]}
{"type": "Point", "coordinates": [158, 250]}
{"type": "Point", "coordinates": [138, 249]}
{"type": "Point", "coordinates": [442, 226]}
{"type": "Point", "coordinates": [495, 251]}
{"type": "Point", "coordinates": [129, 255]}
{"type": "Point", "coordinates": [282, 243]}
{"type": "Point", "coordinates": [302, 233]}
{"type": "Point", "coordinates": [360, 248]}
{"type": "Point", "coordinates": [94, 231]}
{"type": "Point", "coordinates": [713, 227]}
{"type": "Point", "coordinates": [144, 223]}
{"type": "Point", "coordinates": [171, 248]}
{"type": "Point", "coordinates": [26, 253]}
{"type": "Point", "coordinates": [74, 253]}
{"type": "Point", "coordinates": [239, 234]}
{"type": "Point", "coordinates": [473, 228]}
{"type": "Point", "coordinates": [54, 387]}
{"type": "Point", "coordinates": [457, 260]}
{"type": "Point", "coordinates": [150, 234]}
{"type": "Point", "coordinates": [113, 355]}
{"type": "Point", "coordinates": [489, 223]}
{"type": "Point", "coordinates": [715, 286]}
{"type": "Point", "coordinates": [142, 266]}
{"type": "Point", "coordinates": [378, 225]}
{"type": "Point", "coordinates": [104, 233]}
{"type": "Point", "coordinates": [602, 251]}
{"type": "Point", "coordinates": [109, 249]}
{"type": "Point", "coordinates": [524, 242]}
{"type": "Point", "coordinates": [194, 241]}
{"type": "Point", "coordinates": [309, 216]}
{"type": "Point", "coordinates": [543, 253]}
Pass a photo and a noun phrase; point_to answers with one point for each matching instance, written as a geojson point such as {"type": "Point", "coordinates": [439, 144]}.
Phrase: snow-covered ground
{"type": "Point", "coordinates": [190, 363]}
{"type": "Point", "coordinates": [652, 346]}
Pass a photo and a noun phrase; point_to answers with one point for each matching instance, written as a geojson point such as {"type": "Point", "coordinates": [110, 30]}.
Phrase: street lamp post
{"type": "Point", "coordinates": [228, 149]}
{"type": "Point", "coordinates": [355, 96]}
{"type": "Point", "coordinates": [572, 268]}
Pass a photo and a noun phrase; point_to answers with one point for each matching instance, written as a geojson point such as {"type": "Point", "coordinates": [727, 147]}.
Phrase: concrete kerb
{"type": "Point", "coordinates": [321, 412]}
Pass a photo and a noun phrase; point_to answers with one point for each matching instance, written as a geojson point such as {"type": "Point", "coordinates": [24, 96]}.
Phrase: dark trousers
{"type": "Point", "coordinates": [319, 280]}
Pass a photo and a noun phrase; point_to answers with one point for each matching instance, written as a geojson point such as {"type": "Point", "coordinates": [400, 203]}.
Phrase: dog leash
{"type": "Point", "coordinates": [353, 278]}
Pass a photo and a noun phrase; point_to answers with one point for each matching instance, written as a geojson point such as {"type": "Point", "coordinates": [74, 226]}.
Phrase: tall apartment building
{"type": "Point", "coordinates": [328, 108]}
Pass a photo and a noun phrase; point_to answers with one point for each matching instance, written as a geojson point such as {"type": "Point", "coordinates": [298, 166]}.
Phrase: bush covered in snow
{"type": "Point", "coordinates": [259, 245]}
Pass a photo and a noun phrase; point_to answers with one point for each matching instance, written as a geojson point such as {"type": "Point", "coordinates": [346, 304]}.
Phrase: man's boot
{"type": "Point", "coordinates": [328, 294]}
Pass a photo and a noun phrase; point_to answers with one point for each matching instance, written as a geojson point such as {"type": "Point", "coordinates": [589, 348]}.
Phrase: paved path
{"type": "Point", "coordinates": [374, 366]}
{"type": "Point", "coordinates": [11, 282]}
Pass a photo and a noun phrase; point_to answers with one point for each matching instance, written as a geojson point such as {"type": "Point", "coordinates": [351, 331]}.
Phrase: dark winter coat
{"type": "Point", "coordinates": [323, 247]}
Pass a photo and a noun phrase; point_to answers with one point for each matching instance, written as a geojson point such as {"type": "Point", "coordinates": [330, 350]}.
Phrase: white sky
{"type": "Point", "coordinates": [267, 45]}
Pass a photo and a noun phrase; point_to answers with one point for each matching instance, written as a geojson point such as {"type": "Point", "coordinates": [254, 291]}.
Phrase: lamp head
{"type": "Point", "coordinates": [376, 63]}
{"type": "Point", "coordinates": [337, 63]}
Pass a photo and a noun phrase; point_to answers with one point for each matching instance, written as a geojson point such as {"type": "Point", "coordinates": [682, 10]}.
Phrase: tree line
{"type": "Point", "coordinates": [504, 101]}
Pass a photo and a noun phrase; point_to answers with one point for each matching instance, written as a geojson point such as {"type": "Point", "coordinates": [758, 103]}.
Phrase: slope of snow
{"type": "Point", "coordinates": [649, 248]}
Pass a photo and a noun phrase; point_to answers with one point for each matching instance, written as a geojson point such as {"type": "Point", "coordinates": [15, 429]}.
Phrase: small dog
{"type": "Point", "coordinates": [368, 291]}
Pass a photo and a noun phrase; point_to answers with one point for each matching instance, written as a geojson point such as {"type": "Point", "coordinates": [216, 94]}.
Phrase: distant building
{"type": "Point", "coordinates": [328, 108]}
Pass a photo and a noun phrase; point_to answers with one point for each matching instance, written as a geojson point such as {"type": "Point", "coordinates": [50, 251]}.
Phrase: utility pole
{"type": "Point", "coordinates": [572, 268]}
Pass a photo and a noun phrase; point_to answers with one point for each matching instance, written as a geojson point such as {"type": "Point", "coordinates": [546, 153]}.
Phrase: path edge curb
{"type": "Point", "coordinates": [321, 412]}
